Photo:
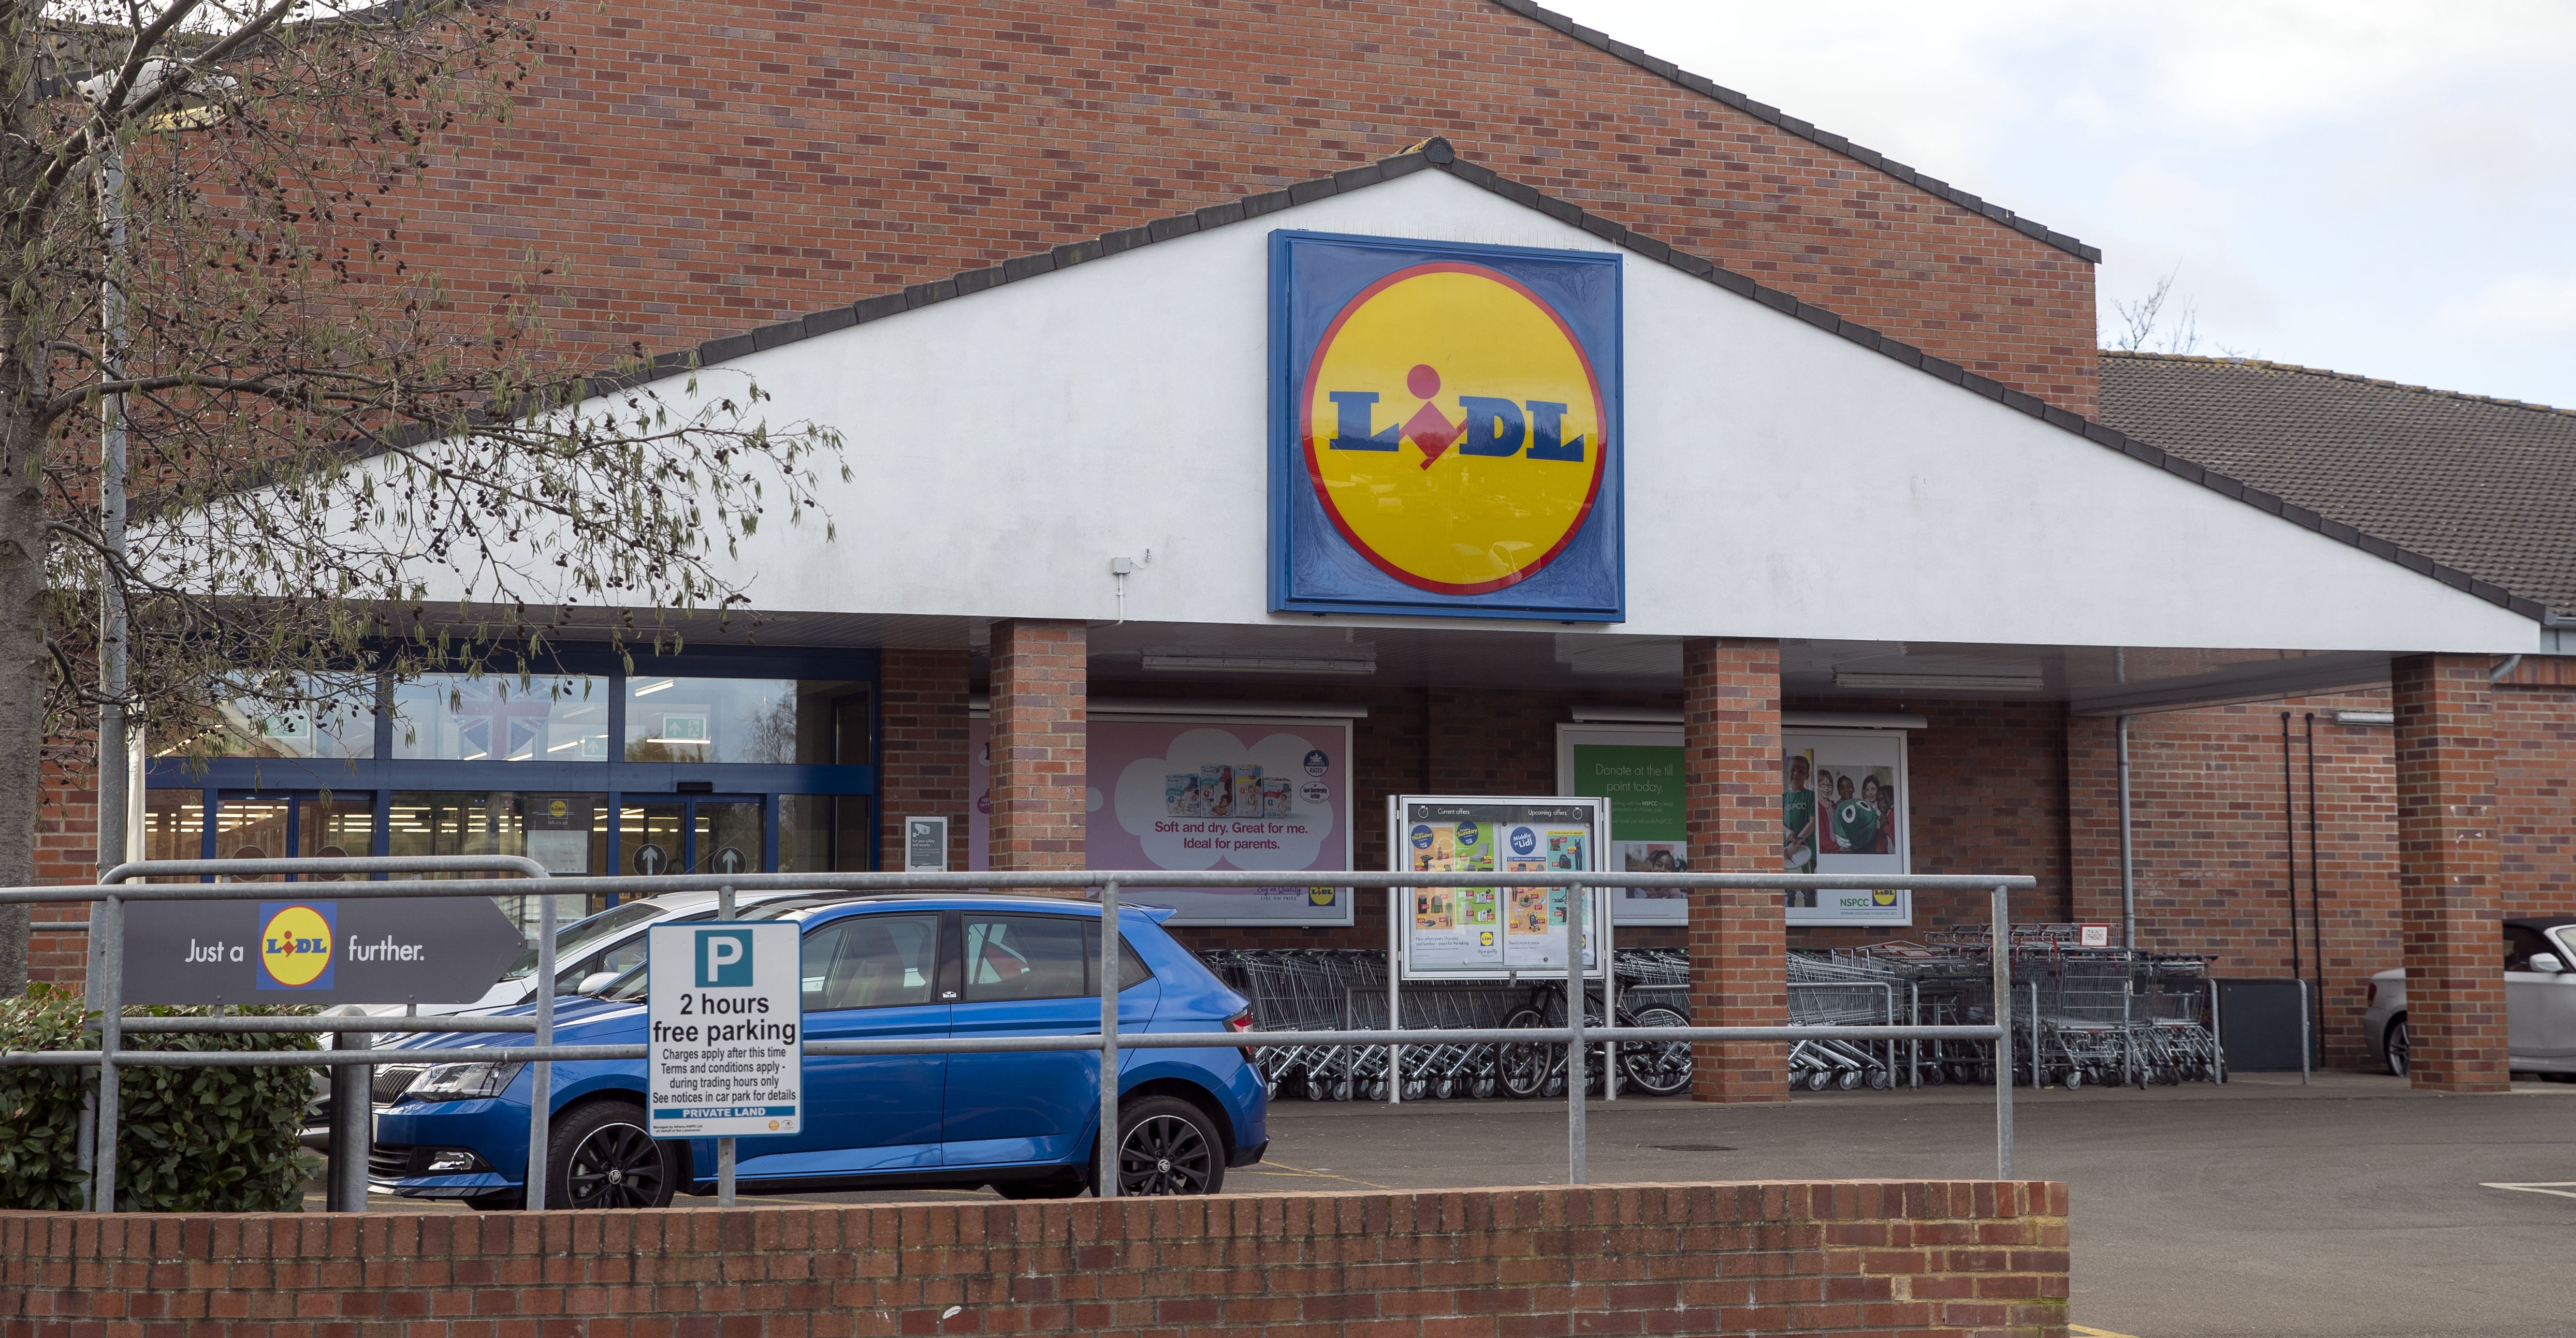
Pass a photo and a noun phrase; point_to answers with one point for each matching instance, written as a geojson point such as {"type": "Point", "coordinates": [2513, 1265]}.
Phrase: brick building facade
{"type": "Point", "coordinates": [695, 172]}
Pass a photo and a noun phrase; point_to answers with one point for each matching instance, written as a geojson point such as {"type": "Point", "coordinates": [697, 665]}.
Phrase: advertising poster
{"type": "Point", "coordinates": [1492, 932]}
{"type": "Point", "coordinates": [1208, 793]}
{"type": "Point", "coordinates": [1640, 772]}
{"type": "Point", "coordinates": [1844, 798]}
{"type": "Point", "coordinates": [1852, 811]}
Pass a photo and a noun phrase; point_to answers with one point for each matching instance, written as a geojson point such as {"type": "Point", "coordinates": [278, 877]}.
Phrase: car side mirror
{"type": "Point", "coordinates": [595, 982]}
{"type": "Point", "coordinates": [2548, 962]}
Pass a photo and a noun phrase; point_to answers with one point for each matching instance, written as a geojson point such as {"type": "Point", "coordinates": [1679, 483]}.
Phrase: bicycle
{"type": "Point", "coordinates": [1656, 1068]}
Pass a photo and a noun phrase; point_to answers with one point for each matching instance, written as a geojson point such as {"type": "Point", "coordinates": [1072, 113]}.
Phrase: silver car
{"type": "Point", "coordinates": [2539, 1000]}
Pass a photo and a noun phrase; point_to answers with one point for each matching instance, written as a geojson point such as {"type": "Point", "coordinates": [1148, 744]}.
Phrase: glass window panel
{"type": "Point", "coordinates": [335, 829]}
{"type": "Point", "coordinates": [885, 961]}
{"type": "Point", "coordinates": [174, 825]}
{"type": "Point", "coordinates": [499, 717]}
{"type": "Point", "coordinates": [247, 828]}
{"type": "Point", "coordinates": [732, 836]}
{"type": "Point", "coordinates": [567, 833]}
{"type": "Point", "coordinates": [472, 823]}
{"type": "Point", "coordinates": [324, 725]}
{"type": "Point", "coordinates": [814, 969]}
{"type": "Point", "coordinates": [1024, 957]}
{"type": "Point", "coordinates": [823, 833]}
{"type": "Point", "coordinates": [812, 722]}
{"type": "Point", "coordinates": [649, 838]}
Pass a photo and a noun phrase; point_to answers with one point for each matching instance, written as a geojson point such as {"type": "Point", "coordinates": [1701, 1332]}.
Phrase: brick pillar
{"type": "Point", "coordinates": [1738, 940]}
{"type": "Point", "coordinates": [2446, 872]}
{"type": "Point", "coordinates": [923, 765]}
{"type": "Point", "coordinates": [1038, 739]}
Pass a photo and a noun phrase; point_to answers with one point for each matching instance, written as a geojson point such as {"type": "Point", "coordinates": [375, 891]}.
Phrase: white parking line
{"type": "Point", "coordinates": [2565, 1189]}
{"type": "Point", "coordinates": [2087, 1331]}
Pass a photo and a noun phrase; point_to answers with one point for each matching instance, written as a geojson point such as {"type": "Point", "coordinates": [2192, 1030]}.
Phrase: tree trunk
{"type": "Point", "coordinates": [22, 669]}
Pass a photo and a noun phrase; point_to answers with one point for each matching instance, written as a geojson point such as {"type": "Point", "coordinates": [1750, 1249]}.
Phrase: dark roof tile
{"type": "Point", "coordinates": [2487, 486]}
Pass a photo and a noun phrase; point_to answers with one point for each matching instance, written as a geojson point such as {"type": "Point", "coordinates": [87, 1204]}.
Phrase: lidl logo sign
{"type": "Point", "coordinates": [723, 958]}
{"type": "Point", "coordinates": [295, 944]}
{"type": "Point", "coordinates": [1446, 429]}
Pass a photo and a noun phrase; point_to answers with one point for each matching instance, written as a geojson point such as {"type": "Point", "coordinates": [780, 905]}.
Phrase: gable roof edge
{"type": "Point", "coordinates": [1773, 116]}
{"type": "Point", "coordinates": [1438, 154]}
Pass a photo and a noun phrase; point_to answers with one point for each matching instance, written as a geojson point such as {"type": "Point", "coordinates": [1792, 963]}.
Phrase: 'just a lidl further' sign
{"type": "Point", "coordinates": [1445, 432]}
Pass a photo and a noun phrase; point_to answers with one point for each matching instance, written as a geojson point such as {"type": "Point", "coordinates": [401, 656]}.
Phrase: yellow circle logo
{"type": "Point", "coordinates": [1452, 427]}
{"type": "Point", "coordinates": [295, 946]}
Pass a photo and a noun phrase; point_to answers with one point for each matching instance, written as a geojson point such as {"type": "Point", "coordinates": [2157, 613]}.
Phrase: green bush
{"type": "Point", "coordinates": [189, 1140]}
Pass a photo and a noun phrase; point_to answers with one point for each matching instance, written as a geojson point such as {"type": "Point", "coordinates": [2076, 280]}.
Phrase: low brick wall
{"type": "Point", "coordinates": [1881, 1257]}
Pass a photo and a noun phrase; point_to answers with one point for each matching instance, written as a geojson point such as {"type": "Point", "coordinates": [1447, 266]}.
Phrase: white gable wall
{"type": "Point", "coordinates": [1781, 482]}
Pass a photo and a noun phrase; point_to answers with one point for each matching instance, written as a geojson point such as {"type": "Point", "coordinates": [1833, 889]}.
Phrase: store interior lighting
{"type": "Point", "coordinates": [1239, 662]}
{"type": "Point", "coordinates": [1941, 682]}
{"type": "Point", "coordinates": [657, 687]}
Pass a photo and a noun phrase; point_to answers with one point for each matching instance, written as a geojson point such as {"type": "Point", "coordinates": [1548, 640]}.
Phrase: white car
{"type": "Point", "coordinates": [602, 946]}
{"type": "Point", "coordinates": [2539, 1000]}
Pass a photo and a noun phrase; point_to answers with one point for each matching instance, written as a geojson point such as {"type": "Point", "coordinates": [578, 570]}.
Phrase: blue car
{"type": "Point", "coordinates": [1024, 1123]}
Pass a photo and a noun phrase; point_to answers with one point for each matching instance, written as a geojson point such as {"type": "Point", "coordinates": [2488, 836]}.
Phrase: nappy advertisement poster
{"type": "Point", "coordinates": [1209, 794]}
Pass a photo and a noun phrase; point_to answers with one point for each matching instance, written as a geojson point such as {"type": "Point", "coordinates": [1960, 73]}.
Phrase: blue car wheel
{"type": "Point", "coordinates": [602, 1158]}
{"type": "Point", "coordinates": [1167, 1146]}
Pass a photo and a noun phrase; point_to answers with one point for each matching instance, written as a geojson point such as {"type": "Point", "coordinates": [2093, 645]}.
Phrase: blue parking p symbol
{"type": "Point", "coordinates": [723, 958]}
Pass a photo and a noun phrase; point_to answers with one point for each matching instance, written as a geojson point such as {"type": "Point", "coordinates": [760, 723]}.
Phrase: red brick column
{"type": "Point", "coordinates": [922, 757]}
{"type": "Point", "coordinates": [2446, 872]}
{"type": "Point", "coordinates": [1738, 940]}
{"type": "Point", "coordinates": [1040, 680]}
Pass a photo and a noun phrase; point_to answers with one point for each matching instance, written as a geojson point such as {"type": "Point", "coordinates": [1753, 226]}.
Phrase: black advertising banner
{"type": "Point", "coordinates": [316, 951]}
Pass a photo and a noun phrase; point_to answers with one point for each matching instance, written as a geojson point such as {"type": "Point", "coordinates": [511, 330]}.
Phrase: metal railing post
{"type": "Point", "coordinates": [2303, 1033]}
{"type": "Point", "coordinates": [352, 1118]}
{"type": "Point", "coordinates": [2003, 1034]}
{"type": "Point", "coordinates": [110, 921]}
{"type": "Point", "coordinates": [542, 1083]}
{"type": "Point", "coordinates": [2217, 1043]}
{"type": "Point", "coordinates": [1609, 1004]}
{"type": "Point", "coordinates": [1105, 1175]}
{"type": "Point", "coordinates": [728, 1152]}
{"type": "Point", "coordinates": [1395, 896]}
{"type": "Point", "coordinates": [1574, 1077]}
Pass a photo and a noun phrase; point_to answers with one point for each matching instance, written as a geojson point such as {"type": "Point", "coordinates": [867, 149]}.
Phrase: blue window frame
{"type": "Point", "coordinates": [661, 773]}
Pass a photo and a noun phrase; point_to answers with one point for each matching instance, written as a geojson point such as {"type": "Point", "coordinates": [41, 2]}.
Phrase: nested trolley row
{"type": "Point", "coordinates": [2093, 1016]}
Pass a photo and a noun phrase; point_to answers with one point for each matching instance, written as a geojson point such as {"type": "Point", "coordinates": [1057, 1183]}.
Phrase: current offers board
{"type": "Point", "coordinates": [1494, 932]}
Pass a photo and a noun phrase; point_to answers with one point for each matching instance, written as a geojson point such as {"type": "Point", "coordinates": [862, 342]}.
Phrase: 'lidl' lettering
{"type": "Point", "coordinates": [1493, 427]}
{"type": "Point", "coordinates": [1495, 452]}
{"type": "Point", "coordinates": [295, 946]}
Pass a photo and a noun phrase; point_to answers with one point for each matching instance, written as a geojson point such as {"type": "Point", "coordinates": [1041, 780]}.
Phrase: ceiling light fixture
{"type": "Point", "coordinates": [1248, 662]}
{"type": "Point", "coordinates": [1941, 682]}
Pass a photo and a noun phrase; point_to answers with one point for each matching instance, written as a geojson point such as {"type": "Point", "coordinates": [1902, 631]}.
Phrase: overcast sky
{"type": "Point", "coordinates": [2380, 188]}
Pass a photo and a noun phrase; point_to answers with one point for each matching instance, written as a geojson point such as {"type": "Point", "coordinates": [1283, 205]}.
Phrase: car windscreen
{"type": "Point", "coordinates": [581, 934]}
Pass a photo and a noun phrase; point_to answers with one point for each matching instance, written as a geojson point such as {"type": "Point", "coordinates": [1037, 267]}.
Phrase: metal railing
{"type": "Point", "coordinates": [116, 891]}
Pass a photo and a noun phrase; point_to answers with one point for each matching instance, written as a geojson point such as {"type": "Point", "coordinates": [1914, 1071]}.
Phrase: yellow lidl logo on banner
{"type": "Point", "coordinates": [295, 945]}
{"type": "Point", "coordinates": [1454, 428]}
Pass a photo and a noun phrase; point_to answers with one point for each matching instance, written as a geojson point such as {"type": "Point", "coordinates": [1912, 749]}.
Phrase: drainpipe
{"type": "Point", "coordinates": [2505, 670]}
{"type": "Point", "coordinates": [2128, 877]}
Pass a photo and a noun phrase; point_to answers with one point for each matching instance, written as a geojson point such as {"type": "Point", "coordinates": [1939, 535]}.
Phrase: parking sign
{"type": "Point", "coordinates": [727, 1015]}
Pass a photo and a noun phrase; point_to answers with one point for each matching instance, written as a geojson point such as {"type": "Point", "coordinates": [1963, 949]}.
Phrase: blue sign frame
{"type": "Point", "coordinates": [1313, 567]}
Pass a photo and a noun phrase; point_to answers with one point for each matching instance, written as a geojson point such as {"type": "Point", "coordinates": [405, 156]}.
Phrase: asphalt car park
{"type": "Point", "coordinates": [2353, 1206]}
